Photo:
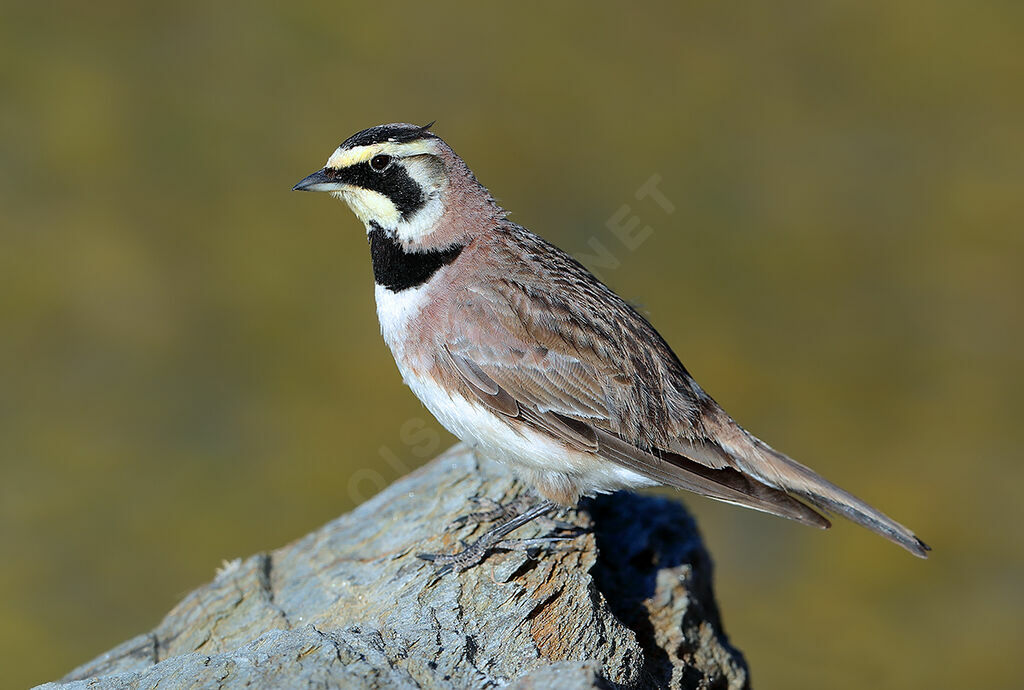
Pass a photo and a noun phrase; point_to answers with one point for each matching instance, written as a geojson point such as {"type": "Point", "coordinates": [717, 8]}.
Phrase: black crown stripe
{"type": "Point", "coordinates": [400, 133]}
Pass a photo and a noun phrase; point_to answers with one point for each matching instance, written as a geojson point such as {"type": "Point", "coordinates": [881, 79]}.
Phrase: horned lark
{"type": "Point", "coordinates": [523, 354]}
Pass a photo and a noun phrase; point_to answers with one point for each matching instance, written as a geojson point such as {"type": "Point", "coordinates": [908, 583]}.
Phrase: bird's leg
{"type": "Point", "coordinates": [507, 511]}
{"type": "Point", "coordinates": [494, 537]}
{"type": "Point", "coordinates": [495, 510]}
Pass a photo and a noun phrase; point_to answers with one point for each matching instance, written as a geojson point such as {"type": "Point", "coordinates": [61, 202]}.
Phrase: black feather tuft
{"type": "Point", "coordinates": [400, 132]}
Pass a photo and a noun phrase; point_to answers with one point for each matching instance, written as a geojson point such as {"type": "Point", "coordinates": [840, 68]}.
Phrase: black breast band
{"type": "Point", "coordinates": [398, 269]}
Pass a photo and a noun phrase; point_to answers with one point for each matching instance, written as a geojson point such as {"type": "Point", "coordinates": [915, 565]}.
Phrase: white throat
{"type": "Point", "coordinates": [421, 223]}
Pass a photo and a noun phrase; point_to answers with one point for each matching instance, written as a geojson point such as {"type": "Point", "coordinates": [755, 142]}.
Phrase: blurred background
{"type": "Point", "coordinates": [190, 362]}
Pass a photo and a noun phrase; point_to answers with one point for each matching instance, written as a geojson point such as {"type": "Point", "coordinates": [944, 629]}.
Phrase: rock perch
{"type": "Point", "coordinates": [627, 603]}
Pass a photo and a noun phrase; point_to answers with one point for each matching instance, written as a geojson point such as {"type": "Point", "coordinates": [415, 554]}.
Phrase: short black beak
{"type": "Point", "coordinates": [317, 182]}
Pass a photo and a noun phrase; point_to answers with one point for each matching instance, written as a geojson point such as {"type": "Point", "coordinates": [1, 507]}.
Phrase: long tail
{"type": "Point", "coordinates": [766, 464]}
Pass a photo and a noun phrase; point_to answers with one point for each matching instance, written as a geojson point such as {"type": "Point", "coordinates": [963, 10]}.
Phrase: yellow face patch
{"type": "Point", "coordinates": [370, 206]}
{"type": "Point", "coordinates": [418, 158]}
{"type": "Point", "coordinates": [343, 158]}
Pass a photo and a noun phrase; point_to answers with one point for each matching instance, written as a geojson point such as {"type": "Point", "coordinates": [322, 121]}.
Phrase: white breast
{"type": "Point", "coordinates": [395, 311]}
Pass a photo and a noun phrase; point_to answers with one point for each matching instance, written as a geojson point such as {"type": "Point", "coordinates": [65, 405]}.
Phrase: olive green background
{"type": "Point", "coordinates": [190, 364]}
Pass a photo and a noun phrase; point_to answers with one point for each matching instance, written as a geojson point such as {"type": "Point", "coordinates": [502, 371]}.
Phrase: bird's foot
{"type": "Point", "coordinates": [493, 510]}
{"type": "Point", "coordinates": [475, 552]}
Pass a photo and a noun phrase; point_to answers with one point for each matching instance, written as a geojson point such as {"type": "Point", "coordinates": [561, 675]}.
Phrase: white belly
{"type": "Point", "coordinates": [537, 455]}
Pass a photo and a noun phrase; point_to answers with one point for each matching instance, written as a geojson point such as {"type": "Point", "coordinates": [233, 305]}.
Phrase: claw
{"type": "Point", "coordinates": [463, 560]}
{"type": "Point", "coordinates": [562, 525]}
{"type": "Point", "coordinates": [472, 554]}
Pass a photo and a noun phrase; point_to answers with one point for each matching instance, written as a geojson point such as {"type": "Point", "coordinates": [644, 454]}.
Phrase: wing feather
{"type": "Point", "coordinates": [543, 341]}
{"type": "Point", "coordinates": [563, 396]}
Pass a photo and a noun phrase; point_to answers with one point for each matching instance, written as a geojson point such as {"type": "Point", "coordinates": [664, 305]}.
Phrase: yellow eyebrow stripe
{"type": "Point", "coordinates": [347, 157]}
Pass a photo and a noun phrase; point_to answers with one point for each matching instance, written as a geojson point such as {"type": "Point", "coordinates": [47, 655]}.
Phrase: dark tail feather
{"type": "Point", "coordinates": [779, 470]}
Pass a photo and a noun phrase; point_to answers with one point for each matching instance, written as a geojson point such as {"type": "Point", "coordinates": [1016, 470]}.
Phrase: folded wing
{"type": "Point", "coordinates": [545, 366]}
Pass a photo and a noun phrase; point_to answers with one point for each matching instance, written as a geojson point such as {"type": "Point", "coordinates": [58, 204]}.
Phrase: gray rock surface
{"type": "Point", "coordinates": [626, 603]}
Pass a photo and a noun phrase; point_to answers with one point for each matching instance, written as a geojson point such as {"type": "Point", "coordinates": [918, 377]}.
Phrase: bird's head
{"type": "Point", "coordinates": [401, 178]}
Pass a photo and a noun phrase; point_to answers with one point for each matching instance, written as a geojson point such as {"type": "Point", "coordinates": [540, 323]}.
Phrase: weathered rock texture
{"type": "Point", "coordinates": [627, 603]}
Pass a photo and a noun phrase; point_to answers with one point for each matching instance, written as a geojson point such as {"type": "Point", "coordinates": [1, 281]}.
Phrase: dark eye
{"type": "Point", "coordinates": [380, 162]}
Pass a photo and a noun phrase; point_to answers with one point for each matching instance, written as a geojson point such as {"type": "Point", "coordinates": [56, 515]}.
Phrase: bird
{"type": "Point", "coordinates": [523, 354]}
